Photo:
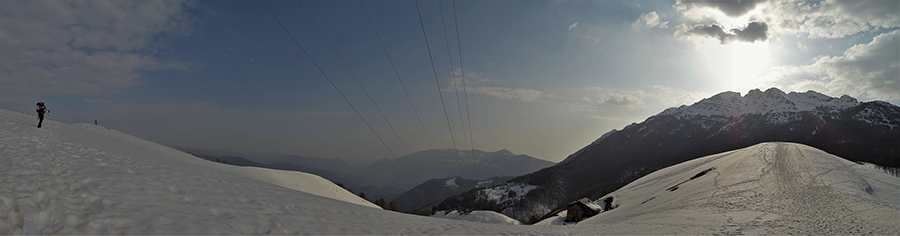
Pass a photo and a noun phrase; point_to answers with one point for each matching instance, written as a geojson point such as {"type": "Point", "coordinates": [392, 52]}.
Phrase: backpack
{"type": "Point", "coordinates": [41, 109]}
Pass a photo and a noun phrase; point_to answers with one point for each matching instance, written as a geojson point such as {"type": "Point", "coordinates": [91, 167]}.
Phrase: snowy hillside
{"type": "Point", "coordinates": [108, 147]}
{"type": "Point", "coordinates": [770, 188]}
{"type": "Point", "coordinates": [387, 179]}
{"type": "Point", "coordinates": [86, 179]}
{"type": "Point", "coordinates": [478, 216]}
{"type": "Point", "coordinates": [855, 131]}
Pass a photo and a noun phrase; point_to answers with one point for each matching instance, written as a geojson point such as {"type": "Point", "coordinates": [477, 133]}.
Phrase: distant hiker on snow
{"type": "Point", "coordinates": [41, 109]}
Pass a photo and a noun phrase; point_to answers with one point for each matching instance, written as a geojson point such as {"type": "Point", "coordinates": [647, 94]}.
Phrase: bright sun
{"type": "Point", "coordinates": [741, 63]}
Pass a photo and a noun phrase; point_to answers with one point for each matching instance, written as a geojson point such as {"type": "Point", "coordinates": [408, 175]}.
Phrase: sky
{"type": "Point", "coordinates": [542, 78]}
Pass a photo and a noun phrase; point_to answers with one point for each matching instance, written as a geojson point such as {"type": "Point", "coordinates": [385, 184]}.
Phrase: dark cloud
{"type": "Point", "coordinates": [755, 31]}
{"type": "Point", "coordinates": [713, 30]}
{"type": "Point", "coordinates": [734, 8]}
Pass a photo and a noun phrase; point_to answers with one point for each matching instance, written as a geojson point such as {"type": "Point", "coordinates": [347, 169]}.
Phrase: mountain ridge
{"type": "Point", "coordinates": [386, 179]}
{"type": "Point", "coordinates": [773, 100]}
{"type": "Point", "coordinates": [857, 131]}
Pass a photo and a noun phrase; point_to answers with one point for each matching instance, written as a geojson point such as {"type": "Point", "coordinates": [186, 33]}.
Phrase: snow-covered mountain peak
{"type": "Point", "coordinates": [727, 95]}
{"type": "Point", "coordinates": [772, 100]}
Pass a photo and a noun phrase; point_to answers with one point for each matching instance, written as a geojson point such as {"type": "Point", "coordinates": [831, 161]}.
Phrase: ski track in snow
{"type": "Point", "coordinates": [770, 188]}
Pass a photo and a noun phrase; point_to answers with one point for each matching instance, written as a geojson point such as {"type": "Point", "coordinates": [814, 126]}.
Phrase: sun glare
{"type": "Point", "coordinates": [750, 61]}
{"type": "Point", "coordinates": [738, 63]}
{"type": "Point", "coordinates": [729, 22]}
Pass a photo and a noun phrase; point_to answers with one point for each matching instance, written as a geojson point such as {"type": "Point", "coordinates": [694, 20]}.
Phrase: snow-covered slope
{"type": "Point", "coordinates": [98, 141]}
{"type": "Point", "coordinates": [478, 216]}
{"type": "Point", "coordinates": [769, 188]}
{"type": "Point", "coordinates": [856, 131]}
{"type": "Point", "coordinates": [85, 179]}
{"type": "Point", "coordinates": [66, 179]}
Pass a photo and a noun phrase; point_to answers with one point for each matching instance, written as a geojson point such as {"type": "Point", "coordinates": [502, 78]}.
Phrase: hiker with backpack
{"type": "Point", "coordinates": [41, 109]}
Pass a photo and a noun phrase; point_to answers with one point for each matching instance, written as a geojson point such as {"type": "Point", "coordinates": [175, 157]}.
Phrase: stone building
{"type": "Point", "coordinates": [581, 209]}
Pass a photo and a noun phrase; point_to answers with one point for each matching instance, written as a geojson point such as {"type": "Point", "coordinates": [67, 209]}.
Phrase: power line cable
{"type": "Point", "coordinates": [335, 87]}
{"type": "Point", "coordinates": [433, 70]}
{"type": "Point", "coordinates": [453, 78]}
{"type": "Point", "coordinates": [354, 76]}
{"type": "Point", "coordinates": [402, 85]}
{"type": "Point", "coordinates": [463, 73]}
{"type": "Point", "coordinates": [415, 162]}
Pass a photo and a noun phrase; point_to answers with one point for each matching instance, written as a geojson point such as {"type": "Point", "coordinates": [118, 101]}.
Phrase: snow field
{"type": "Point", "coordinates": [478, 216]}
{"type": "Point", "coordinates": [769, 188]}
{"type": "Point", "coordinates": [86, 179]}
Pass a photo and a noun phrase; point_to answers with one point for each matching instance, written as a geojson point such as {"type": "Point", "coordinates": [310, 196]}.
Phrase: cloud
{"type": "Point", "coordinates": [818, 19]}
{"type": "Point", "coordinates": [623, 101]}
{"type": "Point", "coordinates": [477, 84]}
{"type": "Point", "coordinates": [604, 98]}
{"type": "Point", "coordinates": [650, 20]}
{"type": "Point", "coordinates": [866, 71]}
{"type": "Point", "coordinates": [713, 31]}
{"type": "Point", "coordinates": [573, 26]}
{"type": "Point", "coordinates": [525, 95]}
{"type": "Point", "coordinates": [622, 105]}
{"type": "Point", "coordinates": [831, 19]}
{"type": "Point", "coordinates": [730, 8]}
{"type": "Point", "coordinates": [755, 31]}
{"type": "Point", "coordinates": [83, 47]}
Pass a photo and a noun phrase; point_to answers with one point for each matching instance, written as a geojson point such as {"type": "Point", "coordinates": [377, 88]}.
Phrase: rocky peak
{"type": "Point", "coordinates": [847, 98]}
{"type": "Point", "coordinates": [773, 100]}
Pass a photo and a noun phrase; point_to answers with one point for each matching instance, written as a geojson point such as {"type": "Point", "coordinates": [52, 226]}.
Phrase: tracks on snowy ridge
{"type": "Point", "coordinates": [42, 191]}
{"type": "Point", "coordinates": [807, 205]}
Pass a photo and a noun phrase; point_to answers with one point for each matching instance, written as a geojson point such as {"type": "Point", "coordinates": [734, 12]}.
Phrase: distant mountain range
{"type": "Point", "coordinates": [444, 163]}
{"type": "Point", "coordinates": [388, 178]}
{"type": "Point", "coordinates": [419, 200]}
{"type": "Point", "coordinates": [856, 131]}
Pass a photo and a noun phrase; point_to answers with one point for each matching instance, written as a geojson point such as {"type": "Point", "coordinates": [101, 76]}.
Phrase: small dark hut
{"type": "Point", "coordinates": [581, 209]}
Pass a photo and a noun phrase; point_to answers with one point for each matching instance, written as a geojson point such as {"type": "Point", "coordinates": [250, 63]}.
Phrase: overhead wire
{"type": "Point", "coordinates": [452, 77]}
{"type": "Point", "coordinates": [434, 71]}
{"type": "Point", "coordinates": [402, 85]}
{"type": "Point", "coordinates": [335, 87]}
{"type": "Point", "coordinates": [415, 162]}
{"type": "Point", "coordinates": [354, 76]}
{"type": "Point", "coordinates": [463, 73]}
